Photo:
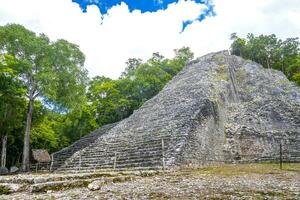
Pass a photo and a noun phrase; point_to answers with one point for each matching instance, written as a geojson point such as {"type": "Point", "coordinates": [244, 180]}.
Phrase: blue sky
{"type": "Point", "coordinates": [142, 5]}
{"type": "Point", "coordinates": [147, 6]}
{"type": "Point", "coordinates": [136, 28]}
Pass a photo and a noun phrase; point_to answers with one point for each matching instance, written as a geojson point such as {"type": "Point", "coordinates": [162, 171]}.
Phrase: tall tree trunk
{"type": "Point", "coordinates": [3, 152]}
{"type": "Point", "coordinates": [268, 63]}
{"type": "Point", "coordinates": [282, 67]}
{"type": "Point", "coordinates": [26, 147]}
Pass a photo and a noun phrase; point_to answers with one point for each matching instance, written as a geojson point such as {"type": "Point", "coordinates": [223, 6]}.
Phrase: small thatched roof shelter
{"type": "Point", "coordinates": [41, 155]}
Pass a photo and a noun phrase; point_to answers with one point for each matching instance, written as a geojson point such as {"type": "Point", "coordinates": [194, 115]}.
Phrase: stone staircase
{"type": "Point", "coordinates": [163, 132]}
{"type": "Point", "coordinates": [61, 156]}
{"type": "Point", "coordinates": [141, 153]}
{"type": "Point", "coordinates": [216, 108]}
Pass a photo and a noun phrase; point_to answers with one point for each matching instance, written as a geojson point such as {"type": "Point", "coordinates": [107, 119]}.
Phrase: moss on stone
{"type": "Point", "coordinates": [240, 75]}
{"type": "Point", "coordinates": [222, 73]}
{"type": "Point", "coordinates": [159, 195]}
{"type": "Point", "coordinates": [4, 190]}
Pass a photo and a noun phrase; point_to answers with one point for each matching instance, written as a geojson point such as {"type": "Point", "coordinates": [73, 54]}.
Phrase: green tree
{"type": "Point", "coordinates": [43, 135]}
{"type": "Point", "coordinates": [78, 123]}
{"type": "Point", "coordinates": [131, 66]}
{"type": "Point", "coordinates": [113, 100]}
{"type": "Point", "coordinates": [270, 52]}
{"type": "Point", "coordinates": [109, 103]}
{"type": "Point", "coordinates": [11, 101]}
{"type": "Point", "coordinates": [238, 45]}
{"type": "Point", "coordinates": [289, 55]}
{"type": "Point", "coordinates": [52, 71]}
{"type": "Point", "coordinates": [184, 54]}
{"type": "Point", "coordinates": [293, 70]}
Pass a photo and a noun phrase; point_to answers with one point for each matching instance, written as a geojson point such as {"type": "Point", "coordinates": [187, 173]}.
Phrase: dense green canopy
{"type": "Point", "coordinates": [51, 72]}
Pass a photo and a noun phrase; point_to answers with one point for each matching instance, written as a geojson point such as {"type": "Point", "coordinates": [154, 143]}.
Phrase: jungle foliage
{"type": "Point", "coordinates": [47, 100]}
{"type": "Point", "coordinates": [271, 52]}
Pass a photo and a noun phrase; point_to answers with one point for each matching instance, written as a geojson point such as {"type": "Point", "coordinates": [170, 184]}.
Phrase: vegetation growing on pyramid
{"type": "Point", "coordinates": [271, 52]}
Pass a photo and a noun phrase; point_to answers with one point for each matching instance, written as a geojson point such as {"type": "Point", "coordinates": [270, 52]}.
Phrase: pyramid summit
{"type": "Point", "coordinates": [219, 108]}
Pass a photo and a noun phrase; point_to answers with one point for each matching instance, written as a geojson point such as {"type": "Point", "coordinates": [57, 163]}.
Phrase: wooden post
{"type": "Point", "coordinates": [79, 162]}
{"type": "Point", "coordinates": [36, 167]}
{"type": "Point", "coordinates": [163, 153]}
{"type": "Point", "coordinates": [115, 161]}
{"type": "Point", "coordinates": [280, 155]}
{"type": "Point", "coordinates": [51, 164]}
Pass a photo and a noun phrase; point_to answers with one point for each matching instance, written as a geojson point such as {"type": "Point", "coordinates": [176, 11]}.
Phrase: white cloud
{"type": "Point", "coordinates": [123, 35]}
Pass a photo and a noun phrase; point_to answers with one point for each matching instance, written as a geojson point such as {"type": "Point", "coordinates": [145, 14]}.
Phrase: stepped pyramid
{"type": "Point", "coordinates": [219, 108]}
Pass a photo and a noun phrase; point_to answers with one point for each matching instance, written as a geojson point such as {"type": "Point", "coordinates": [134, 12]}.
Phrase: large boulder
{"type": "Point", "coordinates": [3, 171]}
{"type": "Point", "coordinates": [14, 170]}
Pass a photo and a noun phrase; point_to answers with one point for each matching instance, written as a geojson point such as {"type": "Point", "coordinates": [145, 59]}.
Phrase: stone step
{"type": "Point", "coordinates": [95, 152]}
{"type": "Point", "coordinates": [101, 147]}
{"type": "Point", "coordinates": [119, 156]}
{"type": "Point", "coordinates": [112, 159]}
{"type": "Point", "coordinates": [124, 144]}
{"type": "Point", "coordinates": [103, 161]}
{"type": "Point", "coordinates": [122, 170]}
{"type": "Point", "coordinates": [80, 144]}
{"type": "Point", "coordinates": [132, 157]}
{"type": "Point", "coordinates": [111, 152]}
{"type": "Point", "coordinates": [120, 159]}
{"type": "Point", "coordinates": [137, 139]}
{"type": "Point", "coordinates": [142, 151]}
{"type": "Point", "coordinates": [119, 149]}
{"type": "Point", "coordinates": [127, 149]}
{"type": "Point", "coordinates": [149, 164]}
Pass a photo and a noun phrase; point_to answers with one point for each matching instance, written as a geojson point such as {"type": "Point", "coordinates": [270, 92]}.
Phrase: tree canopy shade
{"type": "Point", "coordinates": [52, 71]}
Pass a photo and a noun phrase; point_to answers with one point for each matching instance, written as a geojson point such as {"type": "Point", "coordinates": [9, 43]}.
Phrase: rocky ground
{"type": "Point", "coordinates": [255, 181]}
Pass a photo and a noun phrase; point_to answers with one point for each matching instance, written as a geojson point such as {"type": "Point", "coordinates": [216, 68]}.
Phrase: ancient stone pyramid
{"type": "Point", "coordinates": [219, 108]}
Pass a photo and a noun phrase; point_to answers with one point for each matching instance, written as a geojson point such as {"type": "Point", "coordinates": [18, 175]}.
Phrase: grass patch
{"type": "Point", "coordinates": [243, 169]}
{"type": "Point", "coordinates": [159, 195]}
{"type": "Point", "coordinates": [222, 74]}
{"type": "Point", "coordinates": [4, 190]}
